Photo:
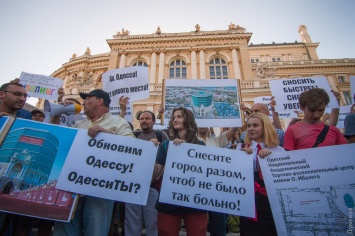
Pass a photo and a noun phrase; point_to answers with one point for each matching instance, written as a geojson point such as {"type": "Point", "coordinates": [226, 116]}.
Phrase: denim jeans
{"type": "Point", "coordinates": [93, 215]}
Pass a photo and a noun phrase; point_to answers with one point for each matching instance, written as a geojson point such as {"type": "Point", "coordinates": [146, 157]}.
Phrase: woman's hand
{"type": "Point", "coordinates": [264, 153]}
{"type": "Point", "coordinates": [178, 141]}
{"type": "Point", "coordinates": [247, 150]}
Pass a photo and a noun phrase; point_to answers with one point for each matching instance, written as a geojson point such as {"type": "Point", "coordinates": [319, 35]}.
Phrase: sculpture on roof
{"type": "Point", "coordinates": [197, 27]}
{"type": "Point", "coordinates": [158, 30]}
{"type": "Point", "coordinates": [87, 51]}
{"type": "Point", "coordinates": [232, 26]}
{"type": "Point", "coordinates": [123, 32]}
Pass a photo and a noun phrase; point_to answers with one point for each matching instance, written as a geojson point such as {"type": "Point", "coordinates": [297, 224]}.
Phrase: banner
{"type": "Point", "coordinates": [343, 112]}
{"type": "Point", "coordinates": [209, 178]}
{"type": "Point", "coordinates": [287, 92]}
{"type": "Point", "coordinates": [109, 166]}
{"type": "Point", "coordinates": [282, 115]}
{"type": "Point", "coordinates": [41, 86]}
{"type": "Point", "coordinates": [116, 110]}
{"type": "Point", "coordinates": [312, 191]}
{"type": "Point", "coordinates": [130, 82]}
{"type": "Point", "coordinates": [31, 157]}
{"type": "Point", "coordinates": [215, 103]}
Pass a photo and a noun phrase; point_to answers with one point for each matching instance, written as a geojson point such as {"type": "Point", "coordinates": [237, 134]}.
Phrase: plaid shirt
{"type": "Point", "coordinates": [280, 135]}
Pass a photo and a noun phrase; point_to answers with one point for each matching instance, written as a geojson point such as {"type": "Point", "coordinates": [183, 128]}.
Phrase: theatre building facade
{"type": "Point", "coordinates": [199, 54]}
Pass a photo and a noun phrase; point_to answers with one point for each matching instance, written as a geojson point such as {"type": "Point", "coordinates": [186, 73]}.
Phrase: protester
{"type": "Point", "coordinates": [349, 125]}
{"type": "Point", "coordinates": [135, 214]}
{"type": "Point", "coordinates": [217, 221]}
{"type": "Point", "coordinates": [93, 215]}
{"type": "Point", "coordinates": [305, 133]}
{"type": "Point", "coordinates": [260, 140]}
{"type": "Point", "coordinates": [263, 108]}
{"type": "Point", "coordinates": [13, 97]}
{"type": "Point", "coordinates": [38, 115]}
{"type": "Point", "coordinates": [182, 129]}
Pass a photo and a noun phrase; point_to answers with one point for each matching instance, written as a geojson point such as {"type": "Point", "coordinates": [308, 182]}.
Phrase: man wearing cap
{"type": "Point", "coordinates": [38, 115]}
{"type": "Point", "coordinates": [93, 215]}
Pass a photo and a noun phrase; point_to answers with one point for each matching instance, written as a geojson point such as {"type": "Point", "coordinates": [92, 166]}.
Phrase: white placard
{"type": "Point", "coordinates": [287, 91]}
{"type": "Point", "coordinates": [116, 110]}
{"type": "Point", "coordinates": [204, 177]}
{"type": "Point", "coordinates": [130, 82]}
{"type": "Point", "coordinates": [343, 112]}
{"type": "Point", "coordinates": [215, 103]}
{"type": "Point", "coordinates": [312, 190]}
{"type": "Point", "coordinates": [41, 86]}
{"type": "Point", "coordinates": [110, 166]}
{"type": "Point", "coordinates": [267, 100]}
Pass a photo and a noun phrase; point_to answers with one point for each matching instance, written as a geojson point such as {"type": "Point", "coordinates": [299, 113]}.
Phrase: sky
{"type": "Point", "coordinates": [38, 36]}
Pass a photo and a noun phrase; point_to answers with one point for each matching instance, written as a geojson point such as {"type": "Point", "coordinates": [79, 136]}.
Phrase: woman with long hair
{"type": "Point", "coordinates": [182, 129]}
{"type": "Point", "coordinates": [260, 140]}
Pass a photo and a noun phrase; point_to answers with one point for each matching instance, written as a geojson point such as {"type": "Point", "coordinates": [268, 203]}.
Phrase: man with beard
{"type": "Point", "coordinates": [135, 215]}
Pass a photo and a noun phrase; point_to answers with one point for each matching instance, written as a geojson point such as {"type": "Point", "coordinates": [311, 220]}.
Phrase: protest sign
{"type": "Point", "coordinates": [31, 158]}
{"type": "Point", "coordinates": [352, 88]}
{"type": "Point", "coordinates": [287, 92]}
{"type": "Point", "coordinates": [41, 86]}
{"type": "Point", "coordinates": [130, 82]}
{"type": "Point", "coordinates": [209, 178]}
{"type": "Point", "coordinates": [282, 115]}
{"type": "Point", "coordinates": [343, 112]}
{"type": "Point", "coordinates": [109, 166]}
{"type": "Point", "coordinates": [116, 110]}
{"type": "Point", "coordinates": [215, 103]}
{"type": "Point", "coordinates": [312, 191]}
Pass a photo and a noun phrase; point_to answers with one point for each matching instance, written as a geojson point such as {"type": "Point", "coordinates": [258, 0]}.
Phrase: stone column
{"type": "Point", "coordinates": [161, 66]}
{"type": "Point", "coordinates": [153, 67]}
{"type": "Point", "coordinates": [202, 64]}
{"type": "Point", "coordinates": [123, 59]}
{"type": "Point", "coordinates": [235, 62]}
{"type": "Point", "coordinates": [193, 64]}
{"type": "Point", "coordinates": [113, 60]}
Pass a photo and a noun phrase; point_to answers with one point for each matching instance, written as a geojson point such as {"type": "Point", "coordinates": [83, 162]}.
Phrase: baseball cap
{"type": "Point", "coordinates": [97, 93]}
{"type": "Point", "coordinates": [37, 111]}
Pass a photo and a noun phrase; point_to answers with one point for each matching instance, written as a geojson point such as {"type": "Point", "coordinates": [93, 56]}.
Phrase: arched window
{"type": "Point", "coordinates": [177, 69]}
{"type": "Point", "coordinates": [140, 63]}
{"type": "Point", "coordinates": [218, 69]}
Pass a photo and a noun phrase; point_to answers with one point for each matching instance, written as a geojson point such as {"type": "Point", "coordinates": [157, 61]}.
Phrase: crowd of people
{"type": "Point", "coordinates": [94, 216]}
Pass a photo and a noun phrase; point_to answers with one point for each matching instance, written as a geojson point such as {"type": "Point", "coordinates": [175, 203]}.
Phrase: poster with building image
{"type": "Point", "coordinates": [312, 191]}
{"type": "Point", "coordinates": [215, 103]}
{"type": "Point", "coordinates": [31, 157]}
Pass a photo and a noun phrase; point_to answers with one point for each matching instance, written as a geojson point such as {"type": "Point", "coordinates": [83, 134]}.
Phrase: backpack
{"type": "Point", "coordinates": [157, 132]}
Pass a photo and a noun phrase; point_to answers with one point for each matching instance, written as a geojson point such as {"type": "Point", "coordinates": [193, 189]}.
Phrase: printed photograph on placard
{"type": "Point", "coordinates": [31, 157]}
{"type": "Point", "coordinates": [211, 101]}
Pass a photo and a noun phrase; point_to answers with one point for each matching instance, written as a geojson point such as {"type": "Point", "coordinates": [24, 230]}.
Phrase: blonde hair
{"type": "Point", "coordinates": [269, 132]}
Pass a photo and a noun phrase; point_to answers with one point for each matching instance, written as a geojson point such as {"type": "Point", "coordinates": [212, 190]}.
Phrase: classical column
{"type": "Point", "coordinates": [202, 64]}
{"type": "Point", "coordinates": [161, 67]}
{"type": "Point", "coordinates": [113, 60]}
{"type": "Point", "coordinates": [153, 67]}
{"type": "Point", "coordinates": [123, 59]}
{"type": "Point", "coordinates": [235, 62]}
{"type": "Point", "coordinates": [193, 64]}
